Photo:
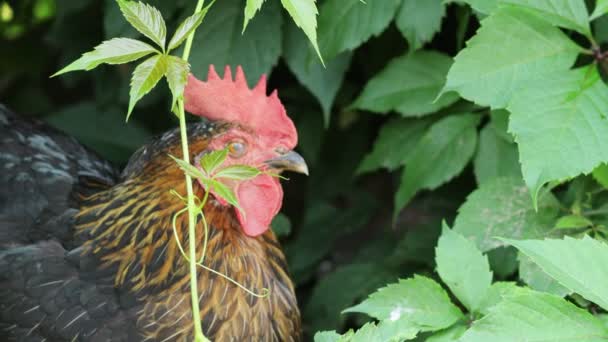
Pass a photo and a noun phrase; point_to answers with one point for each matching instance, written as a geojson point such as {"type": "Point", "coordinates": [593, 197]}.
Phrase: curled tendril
{"type": "Point", "coordinates": [265, 291]}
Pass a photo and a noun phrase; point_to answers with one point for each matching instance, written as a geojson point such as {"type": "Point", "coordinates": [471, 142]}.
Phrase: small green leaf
{"type": "Point", "coordinates": [224, 192]}
{"type": "Point", "coordinates": [187, 26]}
{"type": "Point", "coordinates": [146, 19]}
{"type": "Point", "coordinates": [463, 268]}
{"type": "Point", "coordinates": [393, 331]}
{"type": "Point", "coordinates": [572, 222]}
{"type": "Point", "coordinates": [481, 6]}
{"type": "Point", "coordinates": [322, 82]}
{"type": "Point", "coordinates": [386, 331]}
{"type": "Point", "coordinates": [189, 169]}
{"type": "Point", "coordinates": [304, 15]}
{"type": "Point", "coordinates": [395, 144]}
{"type": "Point", "coordinates": [409, 85]}
{"type": "Point", "coordinates": [537, 279]}
{"type": "Point", "coordinates": [212, 160]}
{"type": "Point", "coordinates": [418, 21]}
{"type": "Point", "coordinates": [327, 336]}
{"type": "Point", "coordinates": [113, 51]}
{"type": "Point", "coordinates": [419, 300]}
{"type": "Point", "coordinates": [441, 154]}
{"type": "Point", "coordinates": [145, 77]}
{"type": "Point", "coordinates": [177, 76]}
{"type": "Point", "coordinates": [220, 42]}
{"type": "Point", "coordinates": [502, 208]}
{"type": "Point", "coordinates": [562, 260]}
{"type": "Point", "coordinates": [237, 172]}
{"type": "Point", "coordinates": [346, 24]}
{"type": "Point", "coordinates": [536, 317]}
{"type": "Point", "coordinates": [251, 7]}
{"type": "Point", "coordinates": [601, 8]}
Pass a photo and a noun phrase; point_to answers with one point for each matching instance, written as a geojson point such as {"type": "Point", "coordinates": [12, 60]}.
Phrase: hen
{"type": "Point", "coordinates": [88, 254]}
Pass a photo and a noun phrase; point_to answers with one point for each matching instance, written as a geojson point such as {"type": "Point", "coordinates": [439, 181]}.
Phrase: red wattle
{"type": "Point", "coordinates": [260, 199]}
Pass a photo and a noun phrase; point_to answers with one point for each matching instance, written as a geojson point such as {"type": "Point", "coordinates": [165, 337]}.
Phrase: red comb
{"type": "Point", "coordinates": [232, 100]}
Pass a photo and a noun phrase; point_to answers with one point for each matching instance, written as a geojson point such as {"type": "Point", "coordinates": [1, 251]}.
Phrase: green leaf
{"type": "Point", "coordinates": [481, 6]}
{"type": "Point", "coordinates": [537, 279]}
{"type": "Point", "coordinates": [418, 21]}
{"type": "Point", "coordinates": [393, 331]}
{"type": "Point", "coordinates": [562, 260]}
{"type": "Point", "coordinates": [395, 144]}
{"type": "Point", "coordinates": [531, 49]}
{"type": "Point", "coordinates": [463, 268]}
{"type": "Point", "coordinates": [600, 174]}
{"type": "Point", "coordinates": [219, 42]}
{"type": "Point", "coordinates": [601, 8]}
{"type": "Point", "coordinates": [187, 26]}
{"type": "Point", "coordinates": [498, 292]}
{"type": "Point", "coordinates": [495, 156]}
{"type": "Point", "coordinates": [560, 126]}
{"type": "Point", "coordinates": [177, 76]}
{"type": "Point", "coordinates": [536, 317]}
{"type": "Point", "coordinates": [327, 336]}
{"type": "Point", "coordinates": [502, 208]}
{"type": "Point", "coordinates": [387, 331]}
{"type": "Point", "coordinates": [188, 169]}
{"type": "Point", "coordinates": [304, 15]}
{"type": "Point", "coordinates": [573, 222]}
{"type": "Point", "coordinates": [570, 14]}
{"type": "Point", "coordinates": [346, 24]}
{"type": "Point", "coordinates": [251, 7]}
{"type": "Point", "coordinates": [212, 160]}
{"type": "Point", "coordinates": [419, 300]}
{"type": "Point", "coordinates": [113, 51]}
{"type": "Point", "coordinates": [322, 82]}
{"type": "Point", "coordinates": [409, 85]}
{"type": "Point", "coordinates": [238, 172]}
{"type": "Point", "coordinates": [146, 19]}
{"type": "Point", "coordinates": [145, 77]}
{"type": "Point", "coordinates": [223, 192]}
{"type": "Point", "coordinates": [441, 154]}
{"type": "Point", "coordinates": [450, 334]}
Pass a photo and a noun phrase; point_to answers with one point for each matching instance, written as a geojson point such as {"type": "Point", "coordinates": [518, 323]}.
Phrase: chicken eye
{"type": "Point", "coordinates": [237, 149]}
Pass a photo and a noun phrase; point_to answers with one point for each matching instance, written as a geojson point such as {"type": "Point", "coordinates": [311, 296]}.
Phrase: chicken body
{"type": "Point", "coordinates": [90, 255]}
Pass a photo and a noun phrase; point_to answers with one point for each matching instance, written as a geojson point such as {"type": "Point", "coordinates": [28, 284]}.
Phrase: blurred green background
{"type": "Point", "coordinates": [337, 225]}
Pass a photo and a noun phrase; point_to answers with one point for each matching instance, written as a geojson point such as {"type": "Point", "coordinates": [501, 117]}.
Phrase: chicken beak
{"type": "Point", "coordinates": [290, 161]}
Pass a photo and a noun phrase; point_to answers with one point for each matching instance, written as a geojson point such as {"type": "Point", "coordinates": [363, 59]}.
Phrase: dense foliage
{"type": "Point", "coordinates": [503, 137]}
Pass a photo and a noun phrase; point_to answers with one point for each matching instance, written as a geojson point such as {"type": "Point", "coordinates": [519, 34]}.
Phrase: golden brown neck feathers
{"type": "Point", "coordinates": [129, 230]}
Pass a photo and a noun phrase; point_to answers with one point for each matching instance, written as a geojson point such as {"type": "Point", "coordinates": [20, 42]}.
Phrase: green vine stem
{"type": "Point", "coordinates": [196, 319]}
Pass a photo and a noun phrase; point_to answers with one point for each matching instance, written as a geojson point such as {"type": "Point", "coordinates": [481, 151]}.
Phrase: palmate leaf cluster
{"type": "Point", "coordinates": [500, 311]}
{"type": "Point", "coordinates": [148, 21]}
